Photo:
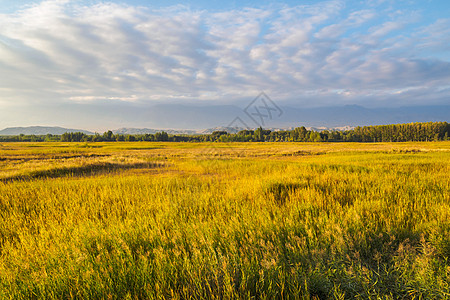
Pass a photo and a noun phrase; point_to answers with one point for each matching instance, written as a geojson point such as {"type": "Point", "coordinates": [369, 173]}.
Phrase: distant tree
{"type": "Point", "coordinates": [97, 138]}
{"type": "Point", "coordinates": [161, 136]}
{"type": "Point", "coordinates": [130, 138]}
{"type": "Point", "coordinates": [73, 137]}
{"type": "Point", "coordinates": [108, 136]}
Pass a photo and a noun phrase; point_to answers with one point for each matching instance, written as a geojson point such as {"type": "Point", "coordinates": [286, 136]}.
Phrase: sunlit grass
{"type": "Point", "coordinates": [262, 220]}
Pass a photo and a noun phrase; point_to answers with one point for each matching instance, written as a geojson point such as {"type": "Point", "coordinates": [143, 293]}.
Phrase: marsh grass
{"type": "Point", "coordinates": [363, 221]}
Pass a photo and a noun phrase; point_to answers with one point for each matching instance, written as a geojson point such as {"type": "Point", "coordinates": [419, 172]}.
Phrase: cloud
{"type": "Point", "coordinates": [62, 52]}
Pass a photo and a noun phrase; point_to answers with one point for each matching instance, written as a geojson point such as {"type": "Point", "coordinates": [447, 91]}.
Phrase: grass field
{"type": "Point", "coordinates": [225, 221]}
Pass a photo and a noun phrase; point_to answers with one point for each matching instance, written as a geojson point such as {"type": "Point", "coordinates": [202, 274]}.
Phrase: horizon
{"type": "Point", "coordinates": [107, 64]}
{"type": "Point", "coordinates": [404, 114]}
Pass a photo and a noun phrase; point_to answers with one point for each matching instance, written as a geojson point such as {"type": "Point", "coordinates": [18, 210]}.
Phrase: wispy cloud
{"type": "Point", "coordinates": [61, 52]}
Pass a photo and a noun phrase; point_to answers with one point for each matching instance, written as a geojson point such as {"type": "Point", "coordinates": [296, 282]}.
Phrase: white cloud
{"type": "Point", "coordinates": [58, 51]}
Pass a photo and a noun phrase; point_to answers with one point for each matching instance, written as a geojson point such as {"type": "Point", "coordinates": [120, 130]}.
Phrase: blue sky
{"type": "Point", "coordinates": [376, 53]}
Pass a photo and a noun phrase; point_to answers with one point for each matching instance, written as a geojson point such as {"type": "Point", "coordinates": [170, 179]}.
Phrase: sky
{"type": "Point", "coordinates": [61, 58]}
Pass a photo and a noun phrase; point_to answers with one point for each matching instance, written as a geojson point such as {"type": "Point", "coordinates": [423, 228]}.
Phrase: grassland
{"type": "Point", "coordinates": [225, 221]}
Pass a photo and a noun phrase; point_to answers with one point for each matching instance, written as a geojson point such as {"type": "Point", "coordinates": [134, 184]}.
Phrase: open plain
{"type": "Point", "coordinates": [148, 220]}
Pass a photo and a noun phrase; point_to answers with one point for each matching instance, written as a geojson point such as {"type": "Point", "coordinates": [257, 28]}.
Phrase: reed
{"type": "Point", "coordinates": [234, 221]}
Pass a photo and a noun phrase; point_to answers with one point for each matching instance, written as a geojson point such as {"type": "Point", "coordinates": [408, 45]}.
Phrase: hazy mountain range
{"type": "Point", "coordinates": [39, 130]}
{"type": "Point", "coordinates": [44, 130]}
{"type": "Point", "coordinates": [192, 119]}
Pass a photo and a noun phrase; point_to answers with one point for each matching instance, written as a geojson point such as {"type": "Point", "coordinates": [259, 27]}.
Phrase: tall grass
{"type": "Point", "coordinates": [263, 222]}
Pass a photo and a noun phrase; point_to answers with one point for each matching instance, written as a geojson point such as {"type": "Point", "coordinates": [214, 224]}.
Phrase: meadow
{"type": "Point", "coordinates": [155, 220]}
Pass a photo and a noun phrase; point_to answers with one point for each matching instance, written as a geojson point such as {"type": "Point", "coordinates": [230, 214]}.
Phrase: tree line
{"type": "Point", "coordinates": [430, 131]}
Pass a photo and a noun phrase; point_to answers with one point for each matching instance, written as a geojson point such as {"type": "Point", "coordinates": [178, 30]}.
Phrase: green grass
{"type": "Point", "coordinates": [225, 221]}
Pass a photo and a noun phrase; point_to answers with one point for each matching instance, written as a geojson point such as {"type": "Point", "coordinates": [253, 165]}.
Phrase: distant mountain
{"type": "Point", "coordinates": [211, 130]}
{"type": "Point", "coordinates": [176, 131]}
{"type": "Point", "coordinates": [152, 131]}
{"type": "Point", "coordinates": [39, 130]}
{"type": "Point", "coordinates": [140, 119]}
{"type": "Point", "coordinates": [221, 128]}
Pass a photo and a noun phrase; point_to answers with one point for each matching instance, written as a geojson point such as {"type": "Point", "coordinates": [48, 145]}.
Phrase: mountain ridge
{"type": "Point", "coordinates": [206, 119]}
{"type": "Point", "coordinates": [56, 130]}
{"type": "Point", "coordinates": [40, 130]}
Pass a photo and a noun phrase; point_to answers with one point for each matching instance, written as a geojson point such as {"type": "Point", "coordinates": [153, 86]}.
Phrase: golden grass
{"type": "Point", "coordinates": [210, 220]}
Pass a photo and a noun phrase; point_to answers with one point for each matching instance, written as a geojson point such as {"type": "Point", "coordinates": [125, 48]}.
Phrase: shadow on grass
{"type": "Point", "coordinates": [86, 170]}
{"type": "Point", "coordinates": [25, 157]}
{"type": "Point", "coordinates": [279, 192]}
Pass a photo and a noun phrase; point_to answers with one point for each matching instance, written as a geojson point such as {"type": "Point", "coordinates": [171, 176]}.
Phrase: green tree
{"type": "Point", "coordinates": [108, 136]}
